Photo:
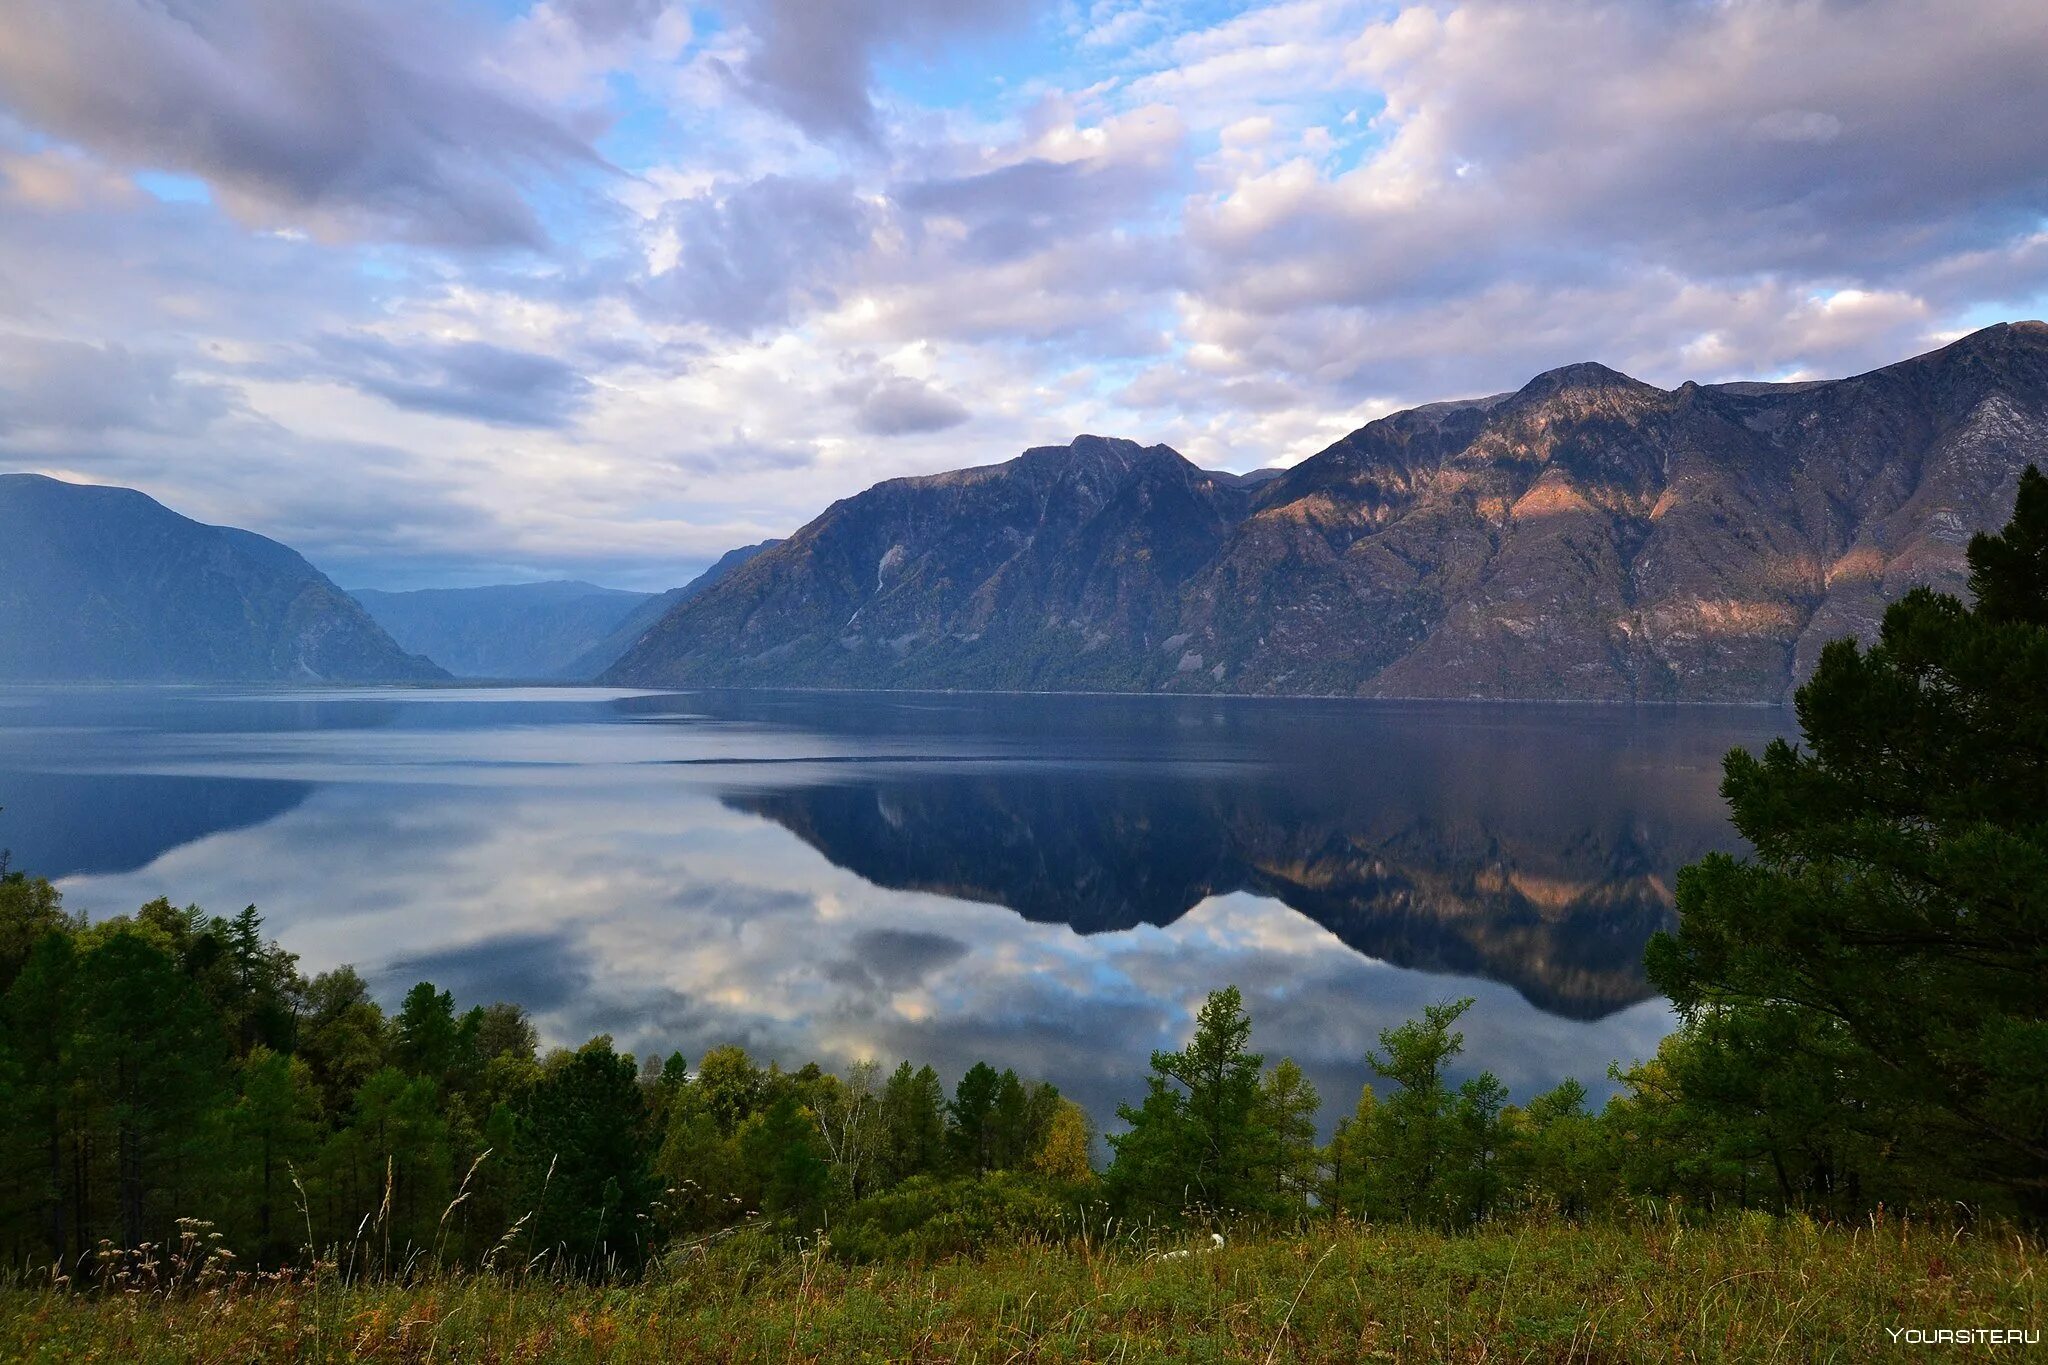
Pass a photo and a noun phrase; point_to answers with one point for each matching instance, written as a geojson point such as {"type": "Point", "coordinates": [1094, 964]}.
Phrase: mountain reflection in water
{"type": "Point", "coordinates": [1564, 925]}
{"type": "Point", "coordinates": [1050, 883]}
{"type": "Point", "coordinates": [1461, 840]}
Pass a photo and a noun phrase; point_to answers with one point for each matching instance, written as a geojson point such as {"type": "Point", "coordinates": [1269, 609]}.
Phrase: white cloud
{"type": "Point", "coordinates": [350, 117]}
{"type": "Point", "coordinates": [843, 246]}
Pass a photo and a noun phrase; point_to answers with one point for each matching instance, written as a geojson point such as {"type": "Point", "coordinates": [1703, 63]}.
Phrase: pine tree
{"type": "Point", "coordinates": [38, 1026]}
{"type": "Point", "coordinates": [1478, 1135]}
{"type": "Point", "coordinates": [1884, 947]}
{"type": "Point", "coordinates": [1288, 1103]}
{"type": "Point", "coordinates": [155, 1059]}
{"type": "Point", "coordinates": [913, 1122]}
{"type": "Point", "coordinates": [787, 1164]}
{"type": "Point", "coordinates": [1412, 1144]}
{"type": "Point", "coordinates": [1350, 1184]}
{"type": "Point", "coordinates": [1010, 1123]}
{"type": "Point", "coordinates": [585, 1123]}
{"type": "Point", "coordinates": [971, 1118]}
{"type": "Point", "coordinates": [426, 1039]}
{"type": "Point", "coordinates": [1200, 1130]}
{"type": "Point", "coordinates": [276, 1122]}
{"type": "Point", "coordinates": [392, 1161]}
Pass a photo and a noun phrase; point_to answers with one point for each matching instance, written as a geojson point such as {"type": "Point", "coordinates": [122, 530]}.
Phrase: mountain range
{"type": "Point", "coordinates": [1562, 922]}
{"type": "Point", "coordinates": [106, 584]}
{"type": "Point", "coordinates": [511, 630]}
{"type": "Point", "coordinates": [1586, 536]}
{"type": "Point", "coordinates": [562, 630]}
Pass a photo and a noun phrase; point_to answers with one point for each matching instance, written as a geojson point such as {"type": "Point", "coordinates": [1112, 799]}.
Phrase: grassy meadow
{"type": "Point", "coordinates": [1745, 1288]}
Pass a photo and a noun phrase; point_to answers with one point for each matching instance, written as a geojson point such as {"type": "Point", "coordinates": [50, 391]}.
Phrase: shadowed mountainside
{"type": "Point", "coordinates": [107, 584]}
{"type": "Point", "coordinates": [626, 633]}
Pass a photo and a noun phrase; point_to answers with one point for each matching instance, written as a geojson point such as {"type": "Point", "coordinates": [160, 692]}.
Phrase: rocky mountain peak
{"type": "Point", "coordinates": [1587, 376]}
{"type": "Point", "coordinates": [2004, 345]}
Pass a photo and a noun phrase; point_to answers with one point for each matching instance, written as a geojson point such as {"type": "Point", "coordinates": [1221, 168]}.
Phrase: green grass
{"type": "Point", "coordinates": [1742, 1289]}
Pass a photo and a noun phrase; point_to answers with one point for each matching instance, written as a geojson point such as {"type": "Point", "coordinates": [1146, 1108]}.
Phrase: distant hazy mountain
{"type": "Point", "coordinates": [625, 634]}
{"type": "Point", "coordinates": [107, 584]}
{"type": "Point", "coordinates": [517, 630]}
{"type": "Point", "coordinates": [1586, 536]}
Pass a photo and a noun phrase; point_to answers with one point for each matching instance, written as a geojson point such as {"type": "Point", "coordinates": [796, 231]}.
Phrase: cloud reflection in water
{"type": "Point", "coordinates": [1050, 884]}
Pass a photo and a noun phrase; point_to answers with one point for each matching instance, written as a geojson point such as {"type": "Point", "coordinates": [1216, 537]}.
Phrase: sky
{"type": "Point", "coordinates": [452, 292]}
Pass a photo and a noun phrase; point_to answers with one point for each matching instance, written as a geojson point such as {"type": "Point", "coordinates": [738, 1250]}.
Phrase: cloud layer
{"type": "Point", "coordinates": [605, 287]}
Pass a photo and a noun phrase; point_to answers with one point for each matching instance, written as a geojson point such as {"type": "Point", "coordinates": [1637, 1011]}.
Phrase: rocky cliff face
{"type": "Point", "coordinates": [105, 584]}
{"type": "Point", "coordinates": [1059, 569]}
{"type": "Point", "coordinates": [1587, 536]}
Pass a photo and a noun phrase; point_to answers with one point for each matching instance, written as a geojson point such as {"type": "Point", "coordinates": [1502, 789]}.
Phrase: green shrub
{"type": "Point", "coordinates": [930, 1218]}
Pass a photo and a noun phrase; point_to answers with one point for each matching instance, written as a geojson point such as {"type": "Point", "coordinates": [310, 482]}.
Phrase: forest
{"type": "Point", "coordinates": [171, 1064]}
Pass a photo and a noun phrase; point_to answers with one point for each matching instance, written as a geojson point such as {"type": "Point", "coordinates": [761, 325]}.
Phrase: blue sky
{"type": "Point", "coordinates": [468, 292]}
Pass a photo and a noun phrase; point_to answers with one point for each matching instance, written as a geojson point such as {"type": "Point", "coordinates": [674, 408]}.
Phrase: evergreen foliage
{"type": "Point", "coordinates": [1863, 997]}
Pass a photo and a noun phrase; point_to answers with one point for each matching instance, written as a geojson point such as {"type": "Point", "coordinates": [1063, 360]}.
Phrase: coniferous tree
{"type": "Point", "coordinates": [1478, 1135]}
{"type": "Point", "coordinates": [1413, 1138]}
{"type": "Point", "coordinates": [1555, 1157]}
{"type": "Point", "coordinates": [913, 1123]}
{"type": "Point", "coordinates": [701, 1172]}
{"type": "Point", "coordinates": [1010, 1135]}
{"type": "Point", "coordinates": [426, 1038]}
{"type": "Point", "coordinates": [786, 1163]}
{"type": "Point", "coordinates": [1350, 1171]}
{"type": "Point", "coordinates": [1288, 1104]}
{"type": "Point", "coordinates": [1200, 1136]}
{"type": "Point", "coordinates": [972, 1121]}
{"type": "Point", "coordinates": [391, 1161]}
{"type": "Point", "coordinates": [276, 1124]}
{"type": "Point", "coordinates": [1872, 974]}
{"type": "Point", "coordinates": [156, 1064]}
{"type": "Point", "coordinates": [585, 1134]}
{"type": "Point", "coordinates": [41, 1068]}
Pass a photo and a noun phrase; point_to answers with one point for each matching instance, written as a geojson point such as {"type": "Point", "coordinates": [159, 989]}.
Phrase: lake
{"type": "Point", "coordinates": [1048, 883]}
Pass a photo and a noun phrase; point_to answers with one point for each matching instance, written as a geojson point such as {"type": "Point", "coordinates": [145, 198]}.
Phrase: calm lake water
{"type": "Point", "coordinates": [1049, 883]}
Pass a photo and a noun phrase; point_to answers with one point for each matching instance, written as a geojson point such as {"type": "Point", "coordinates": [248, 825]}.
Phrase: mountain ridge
{"type": "Point", "coordinates": [1587, 536]}
{"type": "Point", "coordinates": [106, 584]}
